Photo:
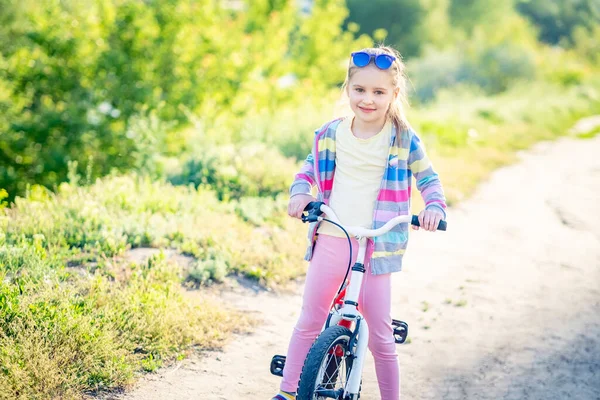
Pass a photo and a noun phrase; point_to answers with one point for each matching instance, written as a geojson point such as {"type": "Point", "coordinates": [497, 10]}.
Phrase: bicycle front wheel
{"type": "Point", "coordinates": [327, 366]}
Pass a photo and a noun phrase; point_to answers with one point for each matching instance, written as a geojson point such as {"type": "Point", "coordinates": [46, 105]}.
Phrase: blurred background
{"type": "Point", "coordinates": [171, 129]}
{"type": "Point", "coordinates": [157, 86]}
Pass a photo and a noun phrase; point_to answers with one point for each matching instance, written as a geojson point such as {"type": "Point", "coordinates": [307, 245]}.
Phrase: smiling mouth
{"type": "Point", "coordinates": [367, 109]}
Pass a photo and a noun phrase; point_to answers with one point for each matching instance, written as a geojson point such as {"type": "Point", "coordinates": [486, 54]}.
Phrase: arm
{"type": "Point", "coordinates": [304, 179]}
{"type": "Point", "coordinates": [427, 179]}
{"type": "Point", "coordinates": [300, 190]}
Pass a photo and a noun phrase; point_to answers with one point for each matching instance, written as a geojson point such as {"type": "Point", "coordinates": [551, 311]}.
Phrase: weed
{"type": "Point", "coordinates": [460, 303]}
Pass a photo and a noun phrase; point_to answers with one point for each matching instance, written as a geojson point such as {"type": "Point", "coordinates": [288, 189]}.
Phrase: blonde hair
{"type": "Point", "coordinates": [395, 113]}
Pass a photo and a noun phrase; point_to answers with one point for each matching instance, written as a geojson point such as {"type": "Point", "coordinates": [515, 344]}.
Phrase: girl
{"type": "Point", "coordinates": [362, 167]}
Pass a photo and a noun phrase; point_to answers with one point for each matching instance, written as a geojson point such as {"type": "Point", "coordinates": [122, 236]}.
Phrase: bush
{"type": "Point", "coordinates": [262, 210]}
{"type": "Point", "coordinates": [90, 80]}
{"type": "Point", "coordinates": [492, 69]}
{"type": "Point", "coordinates": [208, 271]}
{"type": "Point", "coordinates": [63, 339]}
{"type": "Point", "coordinates": [249, 170]}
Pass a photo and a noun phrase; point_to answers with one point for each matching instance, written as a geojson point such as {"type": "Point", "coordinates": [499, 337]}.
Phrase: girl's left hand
{"type": "Point", "coordinates": [429, 220]}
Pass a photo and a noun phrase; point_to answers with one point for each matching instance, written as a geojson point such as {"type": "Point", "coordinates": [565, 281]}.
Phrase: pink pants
{"type": "Point", "coordinates": [325, 273]}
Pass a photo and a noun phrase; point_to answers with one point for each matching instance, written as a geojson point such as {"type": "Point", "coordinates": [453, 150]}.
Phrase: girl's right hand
{"type": "Point", "coordinates": [298, 203]}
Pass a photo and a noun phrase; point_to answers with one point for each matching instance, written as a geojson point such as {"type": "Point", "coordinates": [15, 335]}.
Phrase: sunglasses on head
{"type": "Point", "coordinates": [362, 59]}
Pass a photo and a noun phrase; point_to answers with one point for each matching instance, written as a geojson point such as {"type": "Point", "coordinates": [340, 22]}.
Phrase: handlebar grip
{"type": "Point", "coordinates": [441, 227]}
{"type": "Point", "coordinates": [314, 210]}
{"type": "Point", "coordinates": [314, 206]}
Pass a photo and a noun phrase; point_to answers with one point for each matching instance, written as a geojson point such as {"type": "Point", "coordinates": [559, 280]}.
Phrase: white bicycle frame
{"type": "Point", "coordinates": [349, 310]}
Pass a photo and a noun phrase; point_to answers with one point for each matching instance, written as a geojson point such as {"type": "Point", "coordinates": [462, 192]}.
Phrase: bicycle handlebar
{"type": "Point", "coordinates": [441, 226]}
{"type": "Point", "coordinates": [316, 208]}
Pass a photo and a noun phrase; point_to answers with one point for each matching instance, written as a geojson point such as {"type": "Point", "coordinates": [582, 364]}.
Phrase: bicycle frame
{"type": "Point", "coordinates": [349, 313]}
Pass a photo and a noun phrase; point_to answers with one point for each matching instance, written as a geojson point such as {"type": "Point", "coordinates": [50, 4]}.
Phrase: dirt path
{"type": "Point", "coordinates": [505, 305]}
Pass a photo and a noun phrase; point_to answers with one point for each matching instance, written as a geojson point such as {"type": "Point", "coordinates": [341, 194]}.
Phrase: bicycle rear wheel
{"type": "Point", "coordinates": [327, 366]}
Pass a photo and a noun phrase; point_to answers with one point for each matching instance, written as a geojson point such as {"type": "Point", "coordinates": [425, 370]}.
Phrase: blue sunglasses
{"type": "Point", "coordinates": [362, 59]}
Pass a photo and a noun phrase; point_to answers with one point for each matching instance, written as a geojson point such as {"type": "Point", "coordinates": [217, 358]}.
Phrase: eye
{"type": "Point", "coordinates": [359, 90]}
{"type": "Point", "coordinates": [378, 92]}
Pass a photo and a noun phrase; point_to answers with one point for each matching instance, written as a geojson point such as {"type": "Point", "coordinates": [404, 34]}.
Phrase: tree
{"type": "Point", "coordinates": [400, 18]}
{"type": "Point", "coordinates": [467, 15]}
{"type": "Point", "coordinates": [558, 19]}
{"type": "Point", "coordinates": [81, 79]}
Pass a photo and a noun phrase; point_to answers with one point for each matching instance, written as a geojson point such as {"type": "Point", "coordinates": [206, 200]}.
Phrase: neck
{"type": "Point", "coordinates": [365, 130]}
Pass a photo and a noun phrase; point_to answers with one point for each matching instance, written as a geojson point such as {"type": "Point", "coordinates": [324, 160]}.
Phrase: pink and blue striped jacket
{"type": "Point", "coordinates": [406, 158]}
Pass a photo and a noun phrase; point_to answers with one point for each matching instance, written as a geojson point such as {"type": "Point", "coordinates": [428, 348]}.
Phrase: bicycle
{"type": "Point", "coordinates": [333, 367]}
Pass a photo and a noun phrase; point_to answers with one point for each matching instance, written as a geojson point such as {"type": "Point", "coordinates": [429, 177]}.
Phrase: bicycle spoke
{"type": "Point", "coordinates": [333, 373]}
{"type": "Point", "coordinates": [328, 366]}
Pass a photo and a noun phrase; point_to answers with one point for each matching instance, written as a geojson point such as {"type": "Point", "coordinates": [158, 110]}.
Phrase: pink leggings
{"type": "Point", "coordinates": [325, 273]}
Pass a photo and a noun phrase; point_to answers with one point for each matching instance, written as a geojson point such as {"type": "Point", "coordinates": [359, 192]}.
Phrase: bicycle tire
{"type": "Point", "coordinates": [318, 353]}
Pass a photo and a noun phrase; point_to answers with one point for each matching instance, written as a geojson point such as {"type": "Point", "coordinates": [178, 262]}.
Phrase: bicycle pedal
{"type": "Point", "coordinates": [400, 331]}
{"type": "Point", "coordinates": [277, 364]}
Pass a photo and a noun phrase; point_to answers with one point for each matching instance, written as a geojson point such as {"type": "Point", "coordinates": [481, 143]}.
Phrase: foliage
{"type": "Point", "coordinates": [558, 20]}
{"type": "Point", "coordinates": [116, 85]}
{"type": "Point", "coordinates": [70, 333]}
{"type": "Point", "coordinates": [401, 20]}
{"type": "Point", "coordinates": [488, 131]}
{"type": "Point", "coordinates": [470, 15]}
{"type": "Point", "coordinates": [238, 171]}
{"type": "Point", "coordinates": [78, 80]}
{"type": "Point", "coordinates": [587, 43]}
{"type": "Point", "coordinates": [489, 61]}
{"type": "Point", "coordinates": [489, 70]}
{"type": "Point", "coordinates": [321, 47]}
{"type": "Point", "coordinates": [117, 213]}
{"type": "Point", "coordinates": [76, 315]}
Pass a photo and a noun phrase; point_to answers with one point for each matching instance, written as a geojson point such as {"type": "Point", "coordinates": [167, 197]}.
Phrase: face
{"type": "Point", "coordinates": [371, 92]}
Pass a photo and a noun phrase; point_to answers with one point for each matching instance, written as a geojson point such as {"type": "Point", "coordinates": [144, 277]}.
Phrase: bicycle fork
{"type": "Point", "coordinates": [349, 312]}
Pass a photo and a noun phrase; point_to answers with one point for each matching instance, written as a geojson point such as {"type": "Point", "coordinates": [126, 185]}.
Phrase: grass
{"type": "Point", "coordinates": [468, 137]}
{"type": "Point", "coordinates": [63, 333]}
{"type": "Point", "coordinates": [589, 134]}
{"type": "Point", "coordinates": [460, 303]}
{"type": "Point", "coordinates": [76, 316]}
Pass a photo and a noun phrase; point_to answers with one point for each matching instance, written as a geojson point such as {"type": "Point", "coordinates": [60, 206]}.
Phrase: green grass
{"type": "Point", "coordinates": [592, 133]}
{"type": "Point", "coordinates": [121, 212]}
{"type": "Point", "coordinates": [63, 333]}
{"type": "Point", "coordinates": [77, 316]}
{"type": "Point", "coordinates": [467, 137]}
{"type": "Point", "coordinates": [460, 303]}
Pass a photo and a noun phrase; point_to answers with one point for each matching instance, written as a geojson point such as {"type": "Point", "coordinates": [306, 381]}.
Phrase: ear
{"type": "Point", "coordinates": [396, 93]}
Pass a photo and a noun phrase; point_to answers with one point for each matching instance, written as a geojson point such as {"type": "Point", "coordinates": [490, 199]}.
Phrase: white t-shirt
{"type": "Point", "coordinates": [360, 165]}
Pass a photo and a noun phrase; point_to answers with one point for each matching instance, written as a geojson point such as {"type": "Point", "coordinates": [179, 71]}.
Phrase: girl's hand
{"type": "Point", "coordinates": [298, 203]}
{"type": "Point", "coordinates": [429, 220]}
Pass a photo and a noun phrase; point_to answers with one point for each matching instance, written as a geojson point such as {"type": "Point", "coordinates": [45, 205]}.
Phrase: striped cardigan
{"type": "Point", "coordinates": [406, 158]}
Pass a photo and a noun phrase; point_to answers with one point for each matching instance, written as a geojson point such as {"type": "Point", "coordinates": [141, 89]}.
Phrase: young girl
{"type": "Point", "coordinates": [362, 167]}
